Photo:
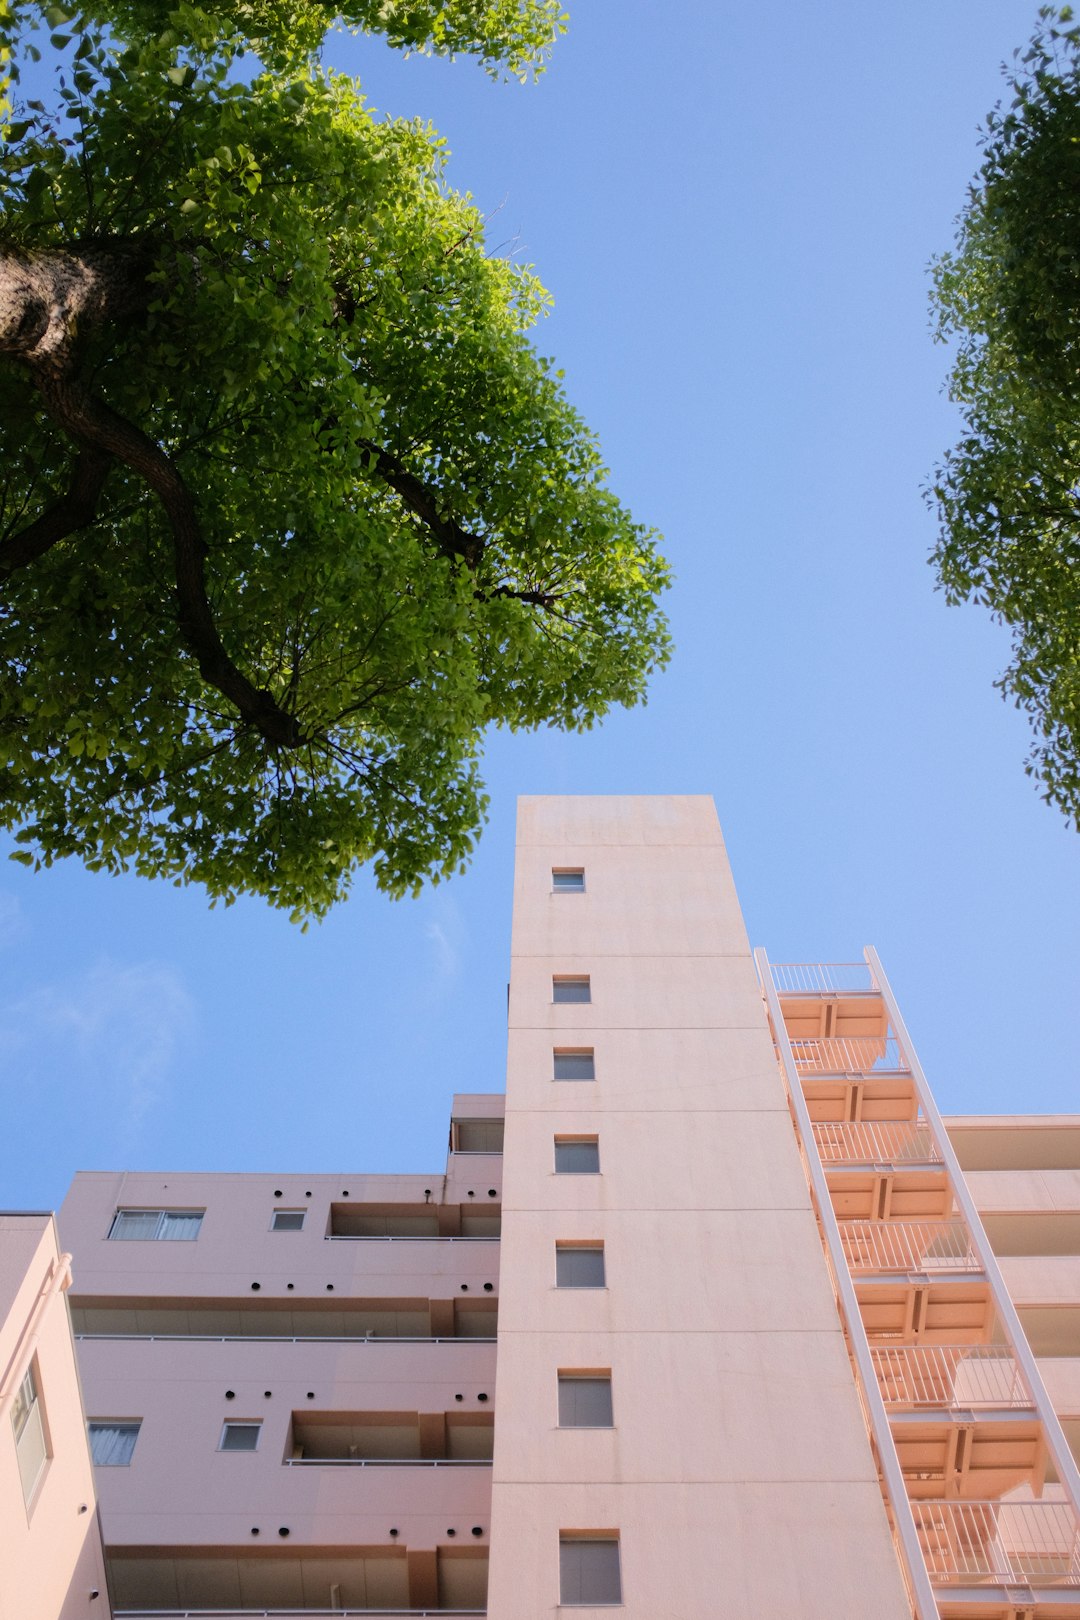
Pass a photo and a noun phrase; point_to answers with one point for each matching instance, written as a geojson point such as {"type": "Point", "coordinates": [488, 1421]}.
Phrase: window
{"type": "Point", "coordinates": [585, 1400]}
{"type": "Point", "coordinates": [567, 880]}
{"type": "Point", "coordinates": [589, 1569]}
{"type": "Point", "coordinates": [569, 988]}
{"type": "Point", "coordinates": [288, 1220]}
{"type": "Point", "coordinates": [574, 1063]}
{"type": "Point", "coordinates": [112, 1444]}
{"type": "Point", "coordinates": [577, 1156]}
{"type": "Point", "coordinates": [579, 1265]}
{"type": "Point", "coordinates": [28, 1422]}
{"type": "Point", "coordinates": [165, 1225]}
{"type": "Point", "coordinates": [240, 1437]}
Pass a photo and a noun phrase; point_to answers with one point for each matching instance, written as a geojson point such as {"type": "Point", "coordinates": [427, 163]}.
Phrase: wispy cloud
{"type": "Point", "coordinates": [447, 960]}
{"type": "Point", "coordinates": [11, 918]}
{"type": "Point", "coordinates": [114, 1030]}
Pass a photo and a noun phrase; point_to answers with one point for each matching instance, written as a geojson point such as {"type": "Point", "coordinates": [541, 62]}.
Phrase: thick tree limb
{"type": "Point", "coordinates": [91, 422]}
{"type": "Point", "coordinates": [452, 539]}
{"type": "Point", "coordinates": [50, 297]}
{"type": "Point", "coordinates": [74, 510]}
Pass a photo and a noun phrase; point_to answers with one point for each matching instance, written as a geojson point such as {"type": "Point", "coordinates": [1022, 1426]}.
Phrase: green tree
{"type": "Point", "coordinates": [1008, 494]}
{"type": "Point", "coordinates": [290, 509]}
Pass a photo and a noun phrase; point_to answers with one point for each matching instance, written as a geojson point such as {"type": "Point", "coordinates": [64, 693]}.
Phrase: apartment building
{"type": "Point", "coordinates": [719, 1318]}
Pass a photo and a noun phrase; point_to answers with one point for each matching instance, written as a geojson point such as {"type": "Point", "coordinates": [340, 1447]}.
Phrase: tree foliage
{"type": "Point", "coordinates": [290, 508]}
{"type": "Point", "coordinates": [1008, 493]}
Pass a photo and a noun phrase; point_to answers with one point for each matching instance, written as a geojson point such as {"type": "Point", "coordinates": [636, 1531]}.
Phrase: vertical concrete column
{"type": "Point", "coordinates": [736, 1474]}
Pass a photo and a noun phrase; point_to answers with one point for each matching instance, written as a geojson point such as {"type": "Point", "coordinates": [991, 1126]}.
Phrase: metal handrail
{"type": "Point", "coordinates": [819, 1055]}
{"type": "Point", "coordinates": [388, 1462]}
{"type": "Point", "coordinates": [962, 1376]}
{"type": "Point", "coordinates": [404, 1237]}
{"type": "Point", "coordinates": [876, 1142]}
{"type": "Point", "coordinates": [829, 978]}
{"type": "Point", "coordinates": [935, 1246]}
{"type": "Point", "coordinates": [1013, 1543]}
{"type": "Point", "coordinates": [289, 1338]}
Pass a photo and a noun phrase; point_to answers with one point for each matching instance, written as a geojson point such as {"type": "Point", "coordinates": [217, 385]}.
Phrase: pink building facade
{"type": "Point", "coordinates": [714, 1316]}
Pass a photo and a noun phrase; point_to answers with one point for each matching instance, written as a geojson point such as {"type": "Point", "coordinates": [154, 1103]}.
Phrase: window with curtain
{"type": "Point", "coordinates": [578, 1267]}
{"type": "Point", "coordinates": [161, 1225]}
{"type": "Point", "coordinates": [574, 1063]}
{"type": "Point", "coordinates": [577, 1156]}
{"type": "Point", "coordinates": [585, 1400]}
{"type": "Point", "coordinates": [112, 1444]}
{"type": "Point", "coordinates": [28, 1422]}
{"type": "Point", "coordinates": [571, 988]}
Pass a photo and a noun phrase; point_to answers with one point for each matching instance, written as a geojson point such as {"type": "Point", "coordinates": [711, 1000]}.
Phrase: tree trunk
{"type": "Point", "coordinates": [49, 297]}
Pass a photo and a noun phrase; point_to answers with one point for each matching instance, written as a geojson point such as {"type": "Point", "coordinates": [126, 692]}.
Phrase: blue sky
{"type": "Point", "coordinates": [735, 212]}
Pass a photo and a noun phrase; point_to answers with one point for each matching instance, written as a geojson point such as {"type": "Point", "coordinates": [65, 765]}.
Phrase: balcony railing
{"type": "Point", "coordinates": [876, 1142]}
{"type": "Point", "coordinates": [949, 1376]}
{"type": "Point", "coordinates": [388, 1462]}
{"type": "Point", "coordinates": [407, 1237]}
{"type": "Point", "coordinates": [823, 978]}
{"type": "Point", "coordinates": [871, 1054]}
{"type": "Point", "coordinates": [890, 1246]}
{"type": "Point", "coordinates": [298, 1614]}
{"type": "Point", "coordinates": [1008, 1543]}
{"type": "Point", "coordinates": [290, 1338]}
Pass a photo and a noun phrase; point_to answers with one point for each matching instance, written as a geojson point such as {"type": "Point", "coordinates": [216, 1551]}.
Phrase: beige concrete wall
{"type": "Point", "coordinates": [737, 1473]}
{"type": "Point", "coordinates": [51, 1567]}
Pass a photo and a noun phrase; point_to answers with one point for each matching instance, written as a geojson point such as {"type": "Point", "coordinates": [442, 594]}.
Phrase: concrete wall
{"type": "Point", "coordinates": [737, 1474]}
{"type": "Point", "coordinates": [52, 1561]}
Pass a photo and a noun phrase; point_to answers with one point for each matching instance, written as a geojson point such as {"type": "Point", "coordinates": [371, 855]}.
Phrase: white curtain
{"type": "Point", "coordinates": [180, 1225]}
{"type": "Point", "coordinates": [136, 1223]}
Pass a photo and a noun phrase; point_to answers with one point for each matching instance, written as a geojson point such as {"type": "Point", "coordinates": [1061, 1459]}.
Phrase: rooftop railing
{"type": "Point", "coordinates": [841, 1055]}
{"type": "Point", "coordinates": [821, 978]}
{"type": "Point", "coordinates": [876, 1142]}
{"type": "Point", "coordinates": [291, 1338]}
{"type": "Point", "coordinates": [298, 1614]}
{"type": "Point", "coordinates": [907, 1246]}
{"type": "Point", "coordinates": [950, 1377]}
{"type": "Point", "coordinates": [1009, 1543]}
{"type": "Point", "coordinates": [406, 1237]}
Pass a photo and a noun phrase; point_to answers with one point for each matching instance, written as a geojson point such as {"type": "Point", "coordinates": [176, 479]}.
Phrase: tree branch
{"type": "Point", "coordinates": [453, 540]}
{"type": "Point", "coordinates": [70, 512]}
{"type": "Point", "coordinates": [93, 423]}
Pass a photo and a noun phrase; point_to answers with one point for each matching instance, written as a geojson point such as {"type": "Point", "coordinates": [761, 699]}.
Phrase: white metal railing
{"type": "Point", "coordinates": [297, 1614]}
{"type": "Point", "coordinates": [842, 1054]}
{"type": "Point", "coordinates": [876, 1142]}
{"type": "Point", "coordinates": [1012, 1543]}
{"type": "Point", "coordinates": [906, 1246]}
{"type": "Point", "coordinates": [952, 1376]}
{"type": "Point", "coordinates": [388, 1462]}
{"type": "Point", "coordinates": [828, 978]}
{"type": "Point", "coordinates": [405, 1237]}
{"type": "Point", "coordinates": [289, 1338]}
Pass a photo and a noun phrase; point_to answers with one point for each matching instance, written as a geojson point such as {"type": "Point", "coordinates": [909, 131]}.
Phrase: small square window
{"type": "Point", "coordinates": [585, 1400]}
{"type": "Point", "coordinates": [288, 1220]}
{"type": "Point", "coordinates": [568, 880]}
{"type": "Point", "coordinates": [240, 1437]}
{"type": "Point", "coordinates": [579, 1265]}
{"type": "Point", "coordinates": [112, 1444]}
{"type": "Point", "coordinates": [574, 1063]}
{"type": "Point", "coordinates": [589, 1569]}
{"type": "Point", "coordinates": [577, 1156]}
{"type": "Point", "coordinates": [570, 988]}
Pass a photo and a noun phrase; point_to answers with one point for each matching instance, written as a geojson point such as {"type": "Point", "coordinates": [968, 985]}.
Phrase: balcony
{"type": "Point", "coordinates": [821, 978]}
{"type": "Point", "coordinates": [883, 1247]}
{"type": "Point", "coordinates": [1002, 1543]}
{"type": "Point", "coordinates": [883, 1143]}
{"type": "Point", "coordinates": [947, 1377]}
{"type": "Point", "coordinates": [392, 1439]}
{"type": "Point", "coordinates": [843, 1055]}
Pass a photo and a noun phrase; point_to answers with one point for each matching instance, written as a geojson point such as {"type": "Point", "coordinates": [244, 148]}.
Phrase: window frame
{"type": "Point", "coordinates": [29, 1419]}
{"type": "Point", "coordinates": [576, 1142]}
{"type": "Point", "coordinates": [132, 1424]}
{"type": "Point", "coordinates": [568, 1376]}
{"type": "Point", "coordinates": [568, 872]}
{"type": "Point", "coordinates": [586, 1055]}
{"type": "Point", "coordinates": [298, 1227]}
{"type": "Point", "coordinates": [589, 1246]}
{"type": "Point", "coordinates": [591, 1538]}
{"type": "Point", "coordinates": [246, 1424]}
{"type": "Point", "coordinates": [160, 1234]}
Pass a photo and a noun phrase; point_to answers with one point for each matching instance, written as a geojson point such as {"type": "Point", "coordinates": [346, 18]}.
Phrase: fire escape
{"type": "Point", "coordinates": [980, 1487]}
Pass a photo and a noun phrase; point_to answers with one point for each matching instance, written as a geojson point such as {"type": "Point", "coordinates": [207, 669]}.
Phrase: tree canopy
{"type": "Point", "coordinates": [290, 508]}
{"type": "Point", "coordinates": [1008, 494]}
